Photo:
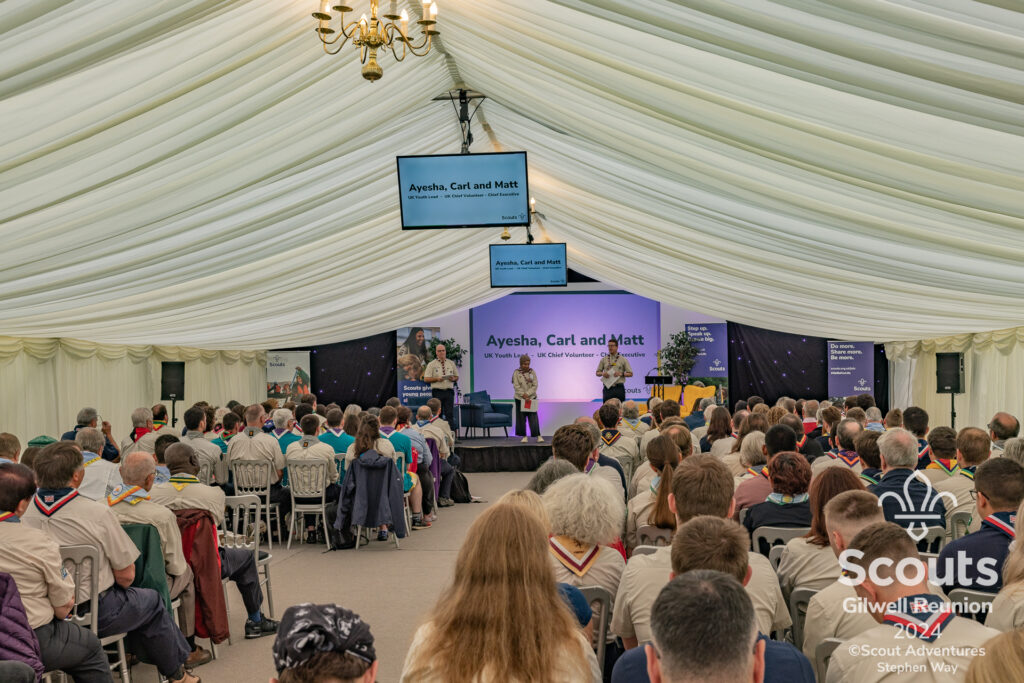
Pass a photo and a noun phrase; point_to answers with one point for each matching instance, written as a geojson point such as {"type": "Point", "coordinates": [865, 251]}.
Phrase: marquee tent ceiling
{"type": "Point", "coordinates": [198, 172]}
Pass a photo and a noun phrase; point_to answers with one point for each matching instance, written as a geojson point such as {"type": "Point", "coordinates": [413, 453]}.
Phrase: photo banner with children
{"type": "Point", "coordinates": [411, 359]}
{"type": "Point", "coordinates": [288, 375]}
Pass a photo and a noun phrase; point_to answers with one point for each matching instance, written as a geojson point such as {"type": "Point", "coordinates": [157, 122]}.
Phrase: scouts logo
{"type": "Point", "coordinates": [926, 516]}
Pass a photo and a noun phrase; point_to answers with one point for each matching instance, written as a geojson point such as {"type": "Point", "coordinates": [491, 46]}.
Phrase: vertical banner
{"type": "Point", "coordinates": [851, 368]}
{"type": "Point", "coordinates": [713, 355]}
{"type": "Point", "coordinates": [288, 375]}
{"type": "Point", "coordinates": [411, 360]}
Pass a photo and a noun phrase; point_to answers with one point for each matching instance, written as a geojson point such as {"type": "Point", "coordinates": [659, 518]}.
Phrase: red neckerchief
{"type": "Point", "coordinates": [138, 433]}
{"type": "Point", "coordinates": [801, 442]}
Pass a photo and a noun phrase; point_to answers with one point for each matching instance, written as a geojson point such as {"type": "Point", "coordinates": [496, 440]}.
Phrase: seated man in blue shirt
{"type": "Point", "coordinates": [903, 502]}
{"type": "Point", "coordinates": [710, 565]}
{"type": "Point", "coordinates": [976, 560]}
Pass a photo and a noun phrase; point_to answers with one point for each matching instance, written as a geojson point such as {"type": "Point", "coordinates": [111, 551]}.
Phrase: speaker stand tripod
{"type": "Point", "coordinates": [952, 411]}
{"type": "Point", "coordinates": [174, 418]}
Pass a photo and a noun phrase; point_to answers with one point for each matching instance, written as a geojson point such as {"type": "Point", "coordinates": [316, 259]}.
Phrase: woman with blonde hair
{"type": "Point", "coordinates": [501, 619]}
{"type": "Point", "coordinates": [1003, 660]}
{"type": "Point", "coordinates": [1008, 606]}
{"type": "Point", "coordinates": [650, 506]}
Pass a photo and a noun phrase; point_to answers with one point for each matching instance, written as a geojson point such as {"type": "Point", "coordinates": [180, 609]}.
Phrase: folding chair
{"type": "Point", "coordinates": [205, 475]}
{"type": "Point", "coordinates": [775, 556]}
{"type": "Point", "coordinates": [743, 515]}
{"type": "Point", "coordinates": [933, 541]}
{"type": "Point", "coordinates": [600, 600]}
{"type": "Point", "coordinates": [648, 534]}
{"type": "Point", "coordinates": [966, 597]}
{"type": "Point", "coordinates": [960, 523]}
{"type": "Point", "coordinates": [823, 654]}
{"type": "Point", "coordinates": [246, 535]}
{"type": "Point", "coordinates": [798, 601]}
{"type": "Point", "coordinates": [307, 479]}
{"type": "Point", "coordinates": [775, 535]}
{"type": "Point", "coordinates": [82, 563]}
{"type": "Point", "coordinates": [252, 477]}
{"type": "Point", "coordinates": [645, 550]}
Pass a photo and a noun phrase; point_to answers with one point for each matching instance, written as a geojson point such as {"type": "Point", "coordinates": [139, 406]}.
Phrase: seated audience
{"type": "Point", "coordinates": [334, 435]}
{"type": "Point", "coordinates": [421, 453]}
{"type": "Point", "coordinates": [160, 447]}
{"type": "Point", "coordinates": [809, 414]}
{"type": "Point", "coordinates": [975, 561]}
{"type": "Point", "coordinates": [857, 415]}
{"type": "Point", "coordinates": [941, 452]}
{"type": "Point", "coordinates": [1003, 660]}
{"type": "Point", "coordinates": [1012, 449]}
{"type": "Point", "coordinates": [403, 446]}
{"type": "Point", "coordinates": [585, 518]}
{"type": "Point", "coordinates": [874, 418]}
{"type": "Point", "coordinates": [915, 421]}
{"type": "Point", "coordinates": [809, 562]}
{"type": "Point", "coordinates": [893, 419]}
{"type": "Point", "coordinates": [845, 455]}
{"type": "Point", "coordinates": [613, 443]}
{"type": "Point", "coordinates": [230, 423]}
{"type": "Point", "coordinates": [32, 558]}
{"type": "Point", "coordinates": [830, 419]}
{"type": "Point", "coordinates": [10, 448]}
{"type": "Point", "coordinates": [1008, 606]}
{"type": "Point", "coordinates": [712, 544]}
{"type": "Point", "coordinates": [548, 473]}
{"type": "Point", "coordinates": [132, 504]}
{"type": "Point", "coordinates": [662, 411]}
{"type": "Point", "coordinates": [590, 424]}
{"type": "Point", "coordinates": [575, 444]}
{"type": "Point", "coordinates": [719, 432]}
{"type": "Point", "coordinates": [749, 460]}
{"type": "Point", "coordinates": [912, 612]}
{"type": "Point", "coordinates": [755, 489]}
{"type": "Point", "coordinates": [700, 486]}
{"type": "Point", "coordinates": [651, 506]}
{"type": "Point", "coordinates": [631, 423]}
{"type": "Point", "coordinates": [323, 644]}
{"type": "Point", "coordinates": [435, 417]}
{"type": "Point", "coordinates": [101, 476]}
{"type": "Point", "coordinates": [827, 616]}
{"type": "Point", "coordinates": [88, 417]}
{"type": "Point", "coordinates": [1002, 427]}
{"type": "Point", "coordinates": [788, 503]}
{"type": "Point", "coordinates": [309, 447]}
{"type": "Point", "coordinates": [695, 419]}
{"type": "Point", "coordinates": [805, 445]}
{"type": "Point", "coordinates": [753, 422]}
{"type": "Point", "coordinates": [184, 491]}
{"type": "Point", "coordinates": [431, 427]}
{"type": "Point", "coordinates": [502, 618]}
{"type": "Point", "coordinates": [144, 432]}
{"type": "Point", "coordinates": [285, 423]}
{"type": "Point", "coordinates": [71, 519]}
{"type": "Point", "coordinates": [252, 443]}
{"type": "Point", "coordinates": [208, 452]}
{"type": "Point", "coordinates": [866, 445]}
{"type": "Point", "coordinates": [972, 448]}
{"type": "Point", "coordinates": [898, 452]}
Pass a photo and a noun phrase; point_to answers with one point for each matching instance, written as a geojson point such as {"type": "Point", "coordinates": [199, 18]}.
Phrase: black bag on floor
{"type": "Point", "coordinates": [460, 488]}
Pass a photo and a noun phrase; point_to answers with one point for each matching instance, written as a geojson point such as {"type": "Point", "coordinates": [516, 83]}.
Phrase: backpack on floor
{"type": "Point", "coordinates": [460, 488]}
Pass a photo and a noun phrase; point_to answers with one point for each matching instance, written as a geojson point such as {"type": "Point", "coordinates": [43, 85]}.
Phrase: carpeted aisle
{"type": "Point", "coordinates": [391, 589]}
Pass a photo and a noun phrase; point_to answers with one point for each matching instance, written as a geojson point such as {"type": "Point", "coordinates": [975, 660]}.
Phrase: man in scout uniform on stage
{"type": "Point", "coordinates": [909, 614]}
{"type": "Point", "coordinates": [613, 371]}
{"type": "Point", "coordinates": [615, 444]}
{"type": "Point", "coordinates": [441, 374]}
{"type": "Point", "coordinates": [131, 503]}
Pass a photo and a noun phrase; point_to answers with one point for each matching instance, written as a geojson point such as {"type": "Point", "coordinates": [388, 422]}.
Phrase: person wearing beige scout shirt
{"type": "Point", "coordinates": [441, 374]}
{"type": "Point", "coordinates": [614, 366]}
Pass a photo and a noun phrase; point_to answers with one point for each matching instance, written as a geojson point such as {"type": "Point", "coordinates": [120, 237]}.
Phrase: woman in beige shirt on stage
{"type": "Point", "coordinates": [524, 380]}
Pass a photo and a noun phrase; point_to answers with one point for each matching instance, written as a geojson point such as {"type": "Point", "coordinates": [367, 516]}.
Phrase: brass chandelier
{"type": "Point", "coordinates": [370, 34]}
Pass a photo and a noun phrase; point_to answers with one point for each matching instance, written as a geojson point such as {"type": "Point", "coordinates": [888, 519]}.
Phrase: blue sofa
{"type": "Point", "coordinates": [477, 412]}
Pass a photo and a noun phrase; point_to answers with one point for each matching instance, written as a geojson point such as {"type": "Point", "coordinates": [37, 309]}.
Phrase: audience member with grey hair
{"type": "Point", "coordinates": [548, 473]}
{"type": "Point", "coordinates": [101, 476]}
{"type": "Point", "coordinates": [1014, 449]}
{"type": "Point", "coordinates": [704, 629]}
{"type": "Point", "coordinates": [631, 424]}
{"type": "Point", "coordinates": [90, 417]}
{"type": "Point", "coordinates": [898, 451]}
{"type": "Point", "coordinates": [874, 417]}
{"type": "Point", "coordinates": [352, 409]}
{"type": "Point", "coordinates": [282, 418]}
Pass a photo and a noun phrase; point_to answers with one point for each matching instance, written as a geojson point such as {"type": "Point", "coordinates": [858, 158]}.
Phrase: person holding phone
{"type": "Point", "coordinates": [524, 381]}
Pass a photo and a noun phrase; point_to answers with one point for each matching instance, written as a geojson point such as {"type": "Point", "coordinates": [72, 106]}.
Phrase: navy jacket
{"type": "Point", "coordinates": [783, 663]}
{"type": "Point", "coordinates": [694, 420]}
{"type": "Point", "coordinates": [109, 451]}
{"type": "Point", "coordinates": [992, 541]}
{"type": "Point", "coordinates": [899, 504]}
{"type": "Point", "coordinates": [372, 494]}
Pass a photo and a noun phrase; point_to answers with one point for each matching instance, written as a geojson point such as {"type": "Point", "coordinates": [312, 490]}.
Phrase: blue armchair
{"type": "Point", "coordinates": [477, 411]}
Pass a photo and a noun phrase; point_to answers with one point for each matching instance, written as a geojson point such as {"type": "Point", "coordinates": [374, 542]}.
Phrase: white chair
{"type": "Point", "coordinates": [645, 550]}
{"type": "Point", "coordinates": [205, 474]}
{"type": "Point", "coordinates": [600, 600]}
{"type": "Point", "coordinates": [82, 564]}
{"type": "Point", "coordinates": [253, 477]}
{"type": "Point", "coordinates": [775, 556]}
{"type": "Point", "coordinates": [307, 479]}
{"type": "Point", "coordinates": [822, 655]}
{"type": "Point", "coordinates": [648, 534]}
{"type": "Point", "coordinates": [798, 601]}
{"type": "Point", "coordinates": [743, 515]}
{"type": "Point", "coordinates": [966, 598]}
{"type": "Point", "coordinates": [776, 535]}
{"type": "Point", "coordinates": [933, 541]}
{"type": "Point", "coordinates": [245, 534]}
{"type": "Point", "coordinates": [960, 523]}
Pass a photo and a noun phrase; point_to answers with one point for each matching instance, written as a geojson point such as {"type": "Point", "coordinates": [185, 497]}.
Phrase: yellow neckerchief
{"type": "Point", "coordinates": [572, 554]}
{"type": "Point", "coordinates": [90, 461]}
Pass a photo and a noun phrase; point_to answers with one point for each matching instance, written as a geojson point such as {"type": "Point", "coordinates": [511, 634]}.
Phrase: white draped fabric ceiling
{"type": "Point", "coordinates": [199, 173]}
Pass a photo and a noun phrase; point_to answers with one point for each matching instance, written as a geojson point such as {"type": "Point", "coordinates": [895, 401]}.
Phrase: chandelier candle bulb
{"type": "Point", "coordinates": [426, 11]}
{"type": "Point", "coordinates": [405, 23]}
{"type": "Point", "coordinates": [433, 11]}
{"type": "Point", "coordinates": [362, 26]}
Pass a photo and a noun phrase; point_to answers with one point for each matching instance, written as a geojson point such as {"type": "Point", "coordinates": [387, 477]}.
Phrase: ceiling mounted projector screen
{"type": "Point", "coordinates": [463, 190]}
{"type": "Point", "coordinates": [528, 265]}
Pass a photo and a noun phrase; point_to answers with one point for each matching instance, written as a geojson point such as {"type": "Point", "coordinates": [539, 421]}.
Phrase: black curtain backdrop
{"type": "Point", "coordinates": [359, 371]}
{"type": "Point", "coordinates": [772, 364]}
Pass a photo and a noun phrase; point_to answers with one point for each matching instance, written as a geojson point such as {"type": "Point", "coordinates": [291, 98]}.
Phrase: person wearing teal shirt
{"type": "Point", "coordinates": [282, 431]}
{"type": "Point", "coordinates": [403, 444]}
{"type": "Point", "coordinates": [335, 436]}
{"type": "Point", "coordinates": [230, 423]}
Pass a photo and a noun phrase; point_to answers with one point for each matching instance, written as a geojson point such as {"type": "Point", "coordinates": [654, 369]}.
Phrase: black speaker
{"type": "Point", "coordinates": [172, 381]}
{"type": "Point", "coordinates": [949, 373]}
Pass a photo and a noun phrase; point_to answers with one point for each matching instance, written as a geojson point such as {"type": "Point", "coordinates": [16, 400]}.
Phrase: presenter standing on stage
{"type": "Point", "coordinates": [524, 381]}
{"type": "Point", "coordinates": [613, 371]}
{"type": "Point", "coordinates": [441, 374]}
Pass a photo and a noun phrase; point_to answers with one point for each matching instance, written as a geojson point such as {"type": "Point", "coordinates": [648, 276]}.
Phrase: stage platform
{"type": "Point", "coordinates": [500, 454]}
